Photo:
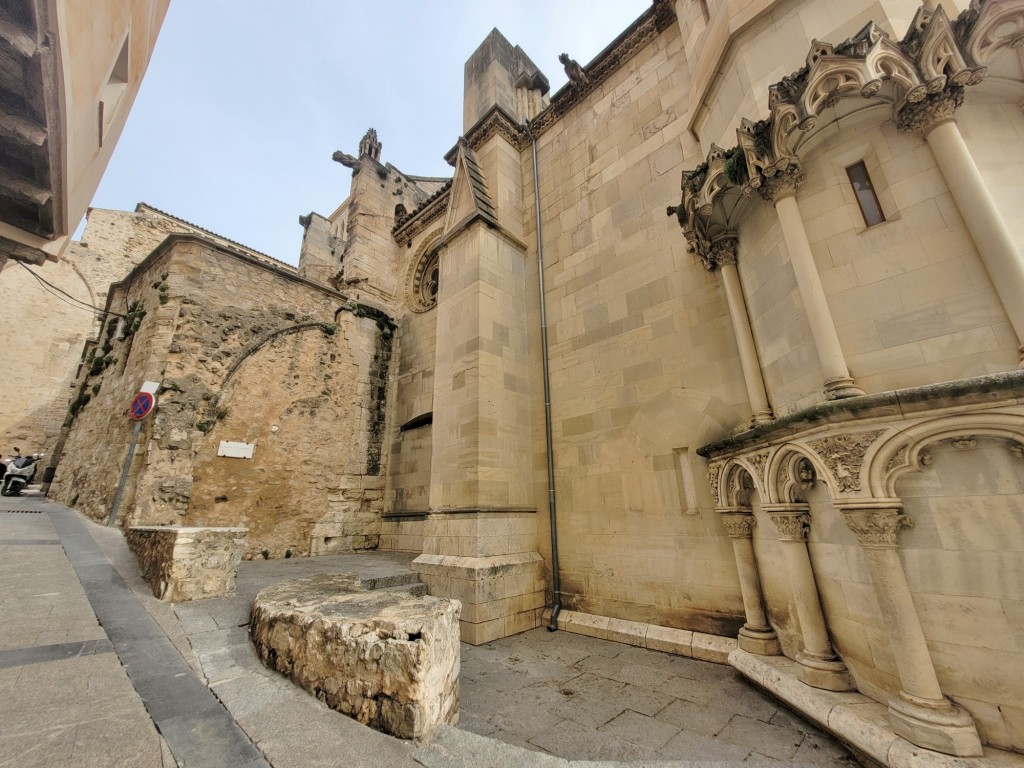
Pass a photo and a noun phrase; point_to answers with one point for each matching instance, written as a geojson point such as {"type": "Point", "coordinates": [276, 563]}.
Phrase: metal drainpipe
{"type": "Point", "coordinates": [556, 579]}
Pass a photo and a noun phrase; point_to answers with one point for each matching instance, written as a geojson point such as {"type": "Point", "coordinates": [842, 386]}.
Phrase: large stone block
{"type": "Point", "coordinates": [183, 563]}
{"type": "Point", "coordinates": [387, 659]}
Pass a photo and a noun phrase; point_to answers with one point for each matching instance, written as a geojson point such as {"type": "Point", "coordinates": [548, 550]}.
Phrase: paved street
{"type": "Point", "coordinates": [94, 671]}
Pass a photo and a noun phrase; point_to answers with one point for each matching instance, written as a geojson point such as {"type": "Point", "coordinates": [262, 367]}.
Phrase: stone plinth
{"type": "Point", "coordinates": [387, 659]}
{"type": "Point", "coordinates": [186, 563]}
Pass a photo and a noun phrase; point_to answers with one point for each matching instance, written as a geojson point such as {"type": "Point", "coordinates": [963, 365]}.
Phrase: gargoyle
{"type": "Point", "coordinates": [347, 160]}
{"type": "Point", "coordinates": [573, 71]}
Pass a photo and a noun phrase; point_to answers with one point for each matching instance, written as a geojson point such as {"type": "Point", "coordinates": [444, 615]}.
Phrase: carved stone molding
{"type": "Point", "coordinates": [434, 208]}
{"type": "Point", "coordinates": [714, 472]}
{"type": "Point", "coordinates": [793, 525]}
{"type": "Point", "coordinates": [932, 110]}
{"type": "Point", "coordinates": [876, 528]}
{"type": "Point", "coordinates": [738, 525]}
{"type": "Point", "coordinates": [844, 455]}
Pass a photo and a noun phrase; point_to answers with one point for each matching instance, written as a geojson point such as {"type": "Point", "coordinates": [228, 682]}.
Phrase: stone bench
{"type": "Point", "coordinates": [185, 563]}
{"type": "Point", "coordinates": [388, 659]}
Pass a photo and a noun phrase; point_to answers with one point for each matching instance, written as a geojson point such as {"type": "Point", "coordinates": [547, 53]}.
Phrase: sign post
{"type": "Point", "coordinates": [141, 407]}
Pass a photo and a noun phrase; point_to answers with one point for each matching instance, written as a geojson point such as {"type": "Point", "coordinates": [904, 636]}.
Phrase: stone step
{"type": "Point", "coordinates": [392, 580]}
{"type": "Point", "coordinates": [418, 589]}
{"type": "Point", "coordinates": [452, 747]}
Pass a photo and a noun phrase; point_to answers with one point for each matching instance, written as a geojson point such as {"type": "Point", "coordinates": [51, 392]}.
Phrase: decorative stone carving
{"type": "Point", "coordinates": [782, 184]}
{"type": "Point", "coordinates": [931, 110]}
{"type": "Point", "coordinates": [422, 278]}
{"type": "Point", "coordinates": [738, 525]}
{"type": "Point", "coordinates": [1017, 450]}
{"type": "Point", "coordinates": [495, 122]}
{"type": "Point", "coordinates": [369, 146]}
{"type": "Point", "coordinates": [792, 526]}
{"type": "Point", "coordinates": [576, 74]}
{"type": "Point", "coordinates": [434, 208]}
{"type": "Point", "coordinates": [757, 462]}
{"type": "Point", "coordinates": [844, 454]}
{"type": "Point", "coordinates": [898, 459]}
{"type": "Point", "coordinates": [876, 528]}
{"type": "Point", "coordinates": [347, 160]}
{"type": "Point", "coordinates": [714, 472]}
{"type": "Point", "coordinates": [964, 443]}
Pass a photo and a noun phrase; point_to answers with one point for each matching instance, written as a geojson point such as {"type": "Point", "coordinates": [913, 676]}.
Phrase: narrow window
{"type": "Point", "coordinates": [865, 191]}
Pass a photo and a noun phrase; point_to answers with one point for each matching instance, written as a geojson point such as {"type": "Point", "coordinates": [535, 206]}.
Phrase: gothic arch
{"type": "Point", "coordinates": [423, 258]}
{"type": "Point", "coordinates": [901, 453]}
{"type": "Point", "coordinates": [784, 473]}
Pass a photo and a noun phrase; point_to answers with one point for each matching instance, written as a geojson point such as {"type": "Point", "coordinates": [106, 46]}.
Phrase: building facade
{"type": "Point", "coordinates": [785, 418]}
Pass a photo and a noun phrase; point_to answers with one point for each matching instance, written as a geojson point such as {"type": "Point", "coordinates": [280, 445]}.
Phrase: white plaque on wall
{"type": "Point", "coordinates": [235, 450]}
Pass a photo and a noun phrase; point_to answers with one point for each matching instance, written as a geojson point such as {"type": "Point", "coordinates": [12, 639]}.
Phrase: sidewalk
{"type": "Point", "coordinates": [154, 685]}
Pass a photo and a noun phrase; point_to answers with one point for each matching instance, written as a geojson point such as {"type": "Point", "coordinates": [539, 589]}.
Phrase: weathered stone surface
{"type": "Point", "coordinates": [387, 659]}
{"type": "Point", "coordinates": [182, 563]}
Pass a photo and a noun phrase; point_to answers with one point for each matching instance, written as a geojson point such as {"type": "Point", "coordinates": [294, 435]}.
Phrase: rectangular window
{"type": "Point", "coordinates": [865, 191]}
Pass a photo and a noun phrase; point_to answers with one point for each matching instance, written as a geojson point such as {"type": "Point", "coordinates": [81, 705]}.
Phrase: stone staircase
{"type": "Point", "coordinates": [408, 583]}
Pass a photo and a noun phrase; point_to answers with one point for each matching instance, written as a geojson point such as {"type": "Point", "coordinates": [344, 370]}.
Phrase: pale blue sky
{"type": "Point", "coordinates": [246, 100]}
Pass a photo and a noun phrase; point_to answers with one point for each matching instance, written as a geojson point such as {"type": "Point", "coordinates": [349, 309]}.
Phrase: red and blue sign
{"type": "Point", "coordinates": [141, 406]}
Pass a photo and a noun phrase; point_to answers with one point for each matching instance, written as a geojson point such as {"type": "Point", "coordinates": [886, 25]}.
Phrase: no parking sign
{"type": "Point", "coordinates": [141, 406]}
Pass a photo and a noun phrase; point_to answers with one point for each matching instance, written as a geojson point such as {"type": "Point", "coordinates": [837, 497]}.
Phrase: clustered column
{"type": "Point", "coordinates": [935, 118]}
{"type": "Point", "coordinates": [756, 635]}
{"type": "Point", "coordinates": [780, 190]}
{"type": "Point", "coordinates": [723, 256]}
{"type": "Point", "coordinates": [819, 666]}
{"type": "Point", "coordinates": [920, 713]}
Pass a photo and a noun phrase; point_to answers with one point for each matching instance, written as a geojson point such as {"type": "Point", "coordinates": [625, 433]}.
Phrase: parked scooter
{"type": "Point", "coordinates": [20, 472]}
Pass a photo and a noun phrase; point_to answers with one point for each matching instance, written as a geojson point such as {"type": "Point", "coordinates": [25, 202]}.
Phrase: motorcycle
{"type": "Point", "coordinates": [20, 472]}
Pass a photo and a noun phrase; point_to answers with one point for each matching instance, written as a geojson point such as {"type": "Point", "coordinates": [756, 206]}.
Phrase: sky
{"type": "Point", "coordinates": [245, 101]}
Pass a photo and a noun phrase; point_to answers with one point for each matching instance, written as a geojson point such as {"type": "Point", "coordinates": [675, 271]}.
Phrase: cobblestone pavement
{"type": "Point", "coordinates": [587, 699]}
{"type": "Point", "coordinates": [536, 699]}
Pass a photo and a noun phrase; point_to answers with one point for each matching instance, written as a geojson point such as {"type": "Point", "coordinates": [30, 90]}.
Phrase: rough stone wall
{"type": "Point", "coordinates": [184, 564]}
{"type": "Point", "coordinates": [38, 383]}
{"type": "Point", "coordinates": [315, 371]}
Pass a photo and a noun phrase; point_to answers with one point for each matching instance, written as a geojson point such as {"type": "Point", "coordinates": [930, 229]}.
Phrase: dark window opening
{"type": "Point", "coordinates": [865, 191]}
{"type": "Point", "coordinates": [416, 422]}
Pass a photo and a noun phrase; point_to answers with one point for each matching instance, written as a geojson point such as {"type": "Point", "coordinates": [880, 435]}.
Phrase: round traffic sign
{"type": "Point", "coordinates": [141, 406]}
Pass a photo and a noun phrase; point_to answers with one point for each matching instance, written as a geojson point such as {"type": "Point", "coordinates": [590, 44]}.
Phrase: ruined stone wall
{"type": "Point", "coordinates": [271, 363]}
{"type": "Point", "coordinates": [37, 384]}
{"type": "Point", "coordinates": [644, 367]}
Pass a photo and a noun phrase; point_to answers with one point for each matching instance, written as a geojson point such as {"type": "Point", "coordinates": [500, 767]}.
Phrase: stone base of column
{"type": "Point", "coordinates": [827, 674]}
{"type": "Point", "coordinates": [942, 726]}
{"type": "Point", "coordinates": [840, 387]}
{"type": "Point", "coordinates": [763, 642]}
{"type": "Point", "coordinates": [762, 417]}
{"type": "Point", "coordinates": [501, 595]}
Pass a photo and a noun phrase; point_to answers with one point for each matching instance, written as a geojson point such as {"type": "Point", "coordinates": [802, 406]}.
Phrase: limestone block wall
{"type": "Point", "coordinates": [319, 367]}
{"type": "Point", "coordinates": [910, 297]}
{"type": "Point", "coordinates": [644, 366]}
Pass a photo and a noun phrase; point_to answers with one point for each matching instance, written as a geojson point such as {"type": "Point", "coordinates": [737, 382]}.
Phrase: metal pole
{"type": "Point", "coordinates": [556, 580]}
{"type": "Point", "coordinates": [124, 473]}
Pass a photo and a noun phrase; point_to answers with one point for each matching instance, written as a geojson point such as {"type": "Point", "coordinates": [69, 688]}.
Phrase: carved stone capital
{"type": "Point", "coordinates": [877, 525]}
{"type": "Point", "coordinates": [738, 525]}
{"type": "Point", "coordinates": [781, 185]}
{"type": "Point", "coordinates": [931, 110]}
{"type": "Point", "coordinates": [792, 524]}
{"type": "Point", "coordinates": [723, 252]}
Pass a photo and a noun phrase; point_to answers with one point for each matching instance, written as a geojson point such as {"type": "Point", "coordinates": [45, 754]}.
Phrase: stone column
{"type": "Point", "coordinates": [920, 713]}
{"type": "Point", "coordinates": [756, 635]}
{"type": "Point", "coordinates": [781, 192]}
{"type": "Point", "coordinates": [724, 257]}
{"type": "Point", "coordinates": [934, 117]}
{"type": "Point", "coordinates": [819, 666]}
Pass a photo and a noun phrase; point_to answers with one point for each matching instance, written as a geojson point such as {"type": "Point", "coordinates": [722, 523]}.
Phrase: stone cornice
{"type": "Point", "coordinates": [495, 121]}
{"type": "Point", "coordinates": [993, 389]}
{"type": "Point", "coordinates": [634, 39]}
{"type": "Point", "coordinates": [435, 207]}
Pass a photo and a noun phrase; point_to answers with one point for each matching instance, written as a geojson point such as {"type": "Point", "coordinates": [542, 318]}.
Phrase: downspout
{"type": "Point", "coordinates": [555, 577]}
